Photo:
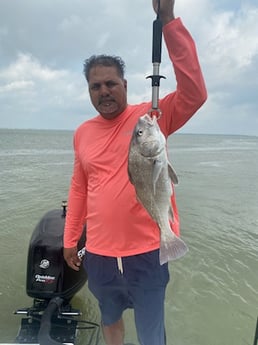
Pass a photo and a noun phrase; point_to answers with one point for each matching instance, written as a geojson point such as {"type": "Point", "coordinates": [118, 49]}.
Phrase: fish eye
{"type": "Point", "coordinates": [140, 132]}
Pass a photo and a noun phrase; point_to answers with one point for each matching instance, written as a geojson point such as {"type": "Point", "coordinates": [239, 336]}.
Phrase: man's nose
{"type": "Point", "coordinates": [104, 90]}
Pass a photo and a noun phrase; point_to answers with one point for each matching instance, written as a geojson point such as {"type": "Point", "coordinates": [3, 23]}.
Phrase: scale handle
{"type": "Point", "coordinates": [156, 41]}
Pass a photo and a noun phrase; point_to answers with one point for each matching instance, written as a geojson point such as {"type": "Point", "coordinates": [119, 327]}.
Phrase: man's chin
{"type": "Point", "coordinates": [108, 112]}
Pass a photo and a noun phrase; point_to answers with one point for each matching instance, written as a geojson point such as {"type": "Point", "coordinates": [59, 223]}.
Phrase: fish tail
{"type": "Point", "coordinates": [173, 249]}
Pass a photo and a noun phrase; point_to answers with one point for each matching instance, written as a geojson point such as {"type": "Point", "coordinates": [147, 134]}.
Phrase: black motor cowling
{"type": "Point", "coordinates": [48, 275]}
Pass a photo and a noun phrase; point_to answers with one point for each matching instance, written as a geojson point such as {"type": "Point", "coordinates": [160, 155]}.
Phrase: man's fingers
{"type": "Point", "coordinates": [70, 256]}
{"type": "Point", "coordinates": [74, 264]}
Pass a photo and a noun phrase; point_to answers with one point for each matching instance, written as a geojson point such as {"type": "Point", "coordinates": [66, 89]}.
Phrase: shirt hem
{"type": "Point", "coordinates": [121, 254]}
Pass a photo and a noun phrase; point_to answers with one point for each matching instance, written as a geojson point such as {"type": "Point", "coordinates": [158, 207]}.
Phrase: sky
{"type": "Point", "coordinates": [43, 44]}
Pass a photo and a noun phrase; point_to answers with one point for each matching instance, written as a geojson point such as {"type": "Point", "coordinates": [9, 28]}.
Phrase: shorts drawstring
{"type": "Point", "coordinates": [120, 265]}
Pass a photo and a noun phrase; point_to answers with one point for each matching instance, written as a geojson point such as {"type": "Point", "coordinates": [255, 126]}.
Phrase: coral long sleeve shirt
{"type": "Point", "coordinates": [100, 192]}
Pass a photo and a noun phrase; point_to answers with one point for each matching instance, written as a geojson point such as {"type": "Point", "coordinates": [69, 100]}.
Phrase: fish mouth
{"type": "Point", "coordinates": [149, 120]}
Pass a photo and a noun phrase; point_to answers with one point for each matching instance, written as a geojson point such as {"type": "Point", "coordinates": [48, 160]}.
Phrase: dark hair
{"type": "Point", "coordinates": [104, 60]}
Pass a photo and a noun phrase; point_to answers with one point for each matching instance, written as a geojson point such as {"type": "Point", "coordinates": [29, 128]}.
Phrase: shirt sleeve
{"type": "Point", "coordinates": [178, 107]}
{"type": "Point", "coordinates": [77, 203]}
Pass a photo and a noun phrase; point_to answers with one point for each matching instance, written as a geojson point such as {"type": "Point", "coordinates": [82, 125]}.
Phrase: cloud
{"type": "Point", "coordinates": [229, 51]}
{"type": "Point", "coordinates": [43, 46]}
{"type": "Point", "coordinates": [233, 42]}
{"type": "Point", "coordinates": [34, 94]}
{"type": "Point", "coordinates": [27, 67]}
{"type": "Point", "coordinates": [17, 85]}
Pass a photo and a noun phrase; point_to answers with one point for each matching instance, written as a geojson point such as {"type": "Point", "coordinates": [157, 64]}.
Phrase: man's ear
{"type": "Point", "coordinates": [125, 84]}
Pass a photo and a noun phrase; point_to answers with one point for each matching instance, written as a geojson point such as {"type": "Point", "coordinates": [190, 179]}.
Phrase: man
{"type": "Point", "coordinates": [122, 248]}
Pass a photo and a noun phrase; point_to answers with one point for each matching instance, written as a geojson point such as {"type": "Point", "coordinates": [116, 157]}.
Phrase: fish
{"type": "Point", "coordinates": [152, 176]}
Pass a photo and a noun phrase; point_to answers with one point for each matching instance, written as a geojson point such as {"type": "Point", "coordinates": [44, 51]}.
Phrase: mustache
{"type": "Point", "coordinates": [106, 99]}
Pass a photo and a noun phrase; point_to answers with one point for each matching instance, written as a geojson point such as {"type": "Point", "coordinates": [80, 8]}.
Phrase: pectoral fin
{"type": "Point", "coordinates": [172, 174]}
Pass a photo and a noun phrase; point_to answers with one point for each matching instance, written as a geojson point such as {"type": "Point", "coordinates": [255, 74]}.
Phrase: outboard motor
{"type": "Point", "coordinates": [52, 284]}
{"type": "Point", "coordinates": [48, 275]}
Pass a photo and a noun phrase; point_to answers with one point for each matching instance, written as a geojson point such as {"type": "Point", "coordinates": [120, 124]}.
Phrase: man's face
{"type": "Point", "coordinates": [108, 91]}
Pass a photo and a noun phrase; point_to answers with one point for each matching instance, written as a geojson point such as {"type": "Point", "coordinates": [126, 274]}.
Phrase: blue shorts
{"type": "Point", "coordinates": [141, 286]}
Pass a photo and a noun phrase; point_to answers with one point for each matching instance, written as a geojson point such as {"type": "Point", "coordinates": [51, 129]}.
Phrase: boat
{"type": "Point", "coordinates": [51, 283]}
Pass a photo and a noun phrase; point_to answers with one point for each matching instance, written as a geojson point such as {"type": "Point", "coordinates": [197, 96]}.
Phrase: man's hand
{"type": "Point", "coordinates": [166, 11]}
{"type": "Point", "coordinates": [71, 258]}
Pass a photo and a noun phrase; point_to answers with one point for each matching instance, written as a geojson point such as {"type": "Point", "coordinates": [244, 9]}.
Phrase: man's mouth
{"type": "Point", "coordinates": [106, 102]}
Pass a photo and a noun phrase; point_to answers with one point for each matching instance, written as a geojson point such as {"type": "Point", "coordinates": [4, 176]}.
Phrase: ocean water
{"type": "Point", "coordinates": [212, 298]}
